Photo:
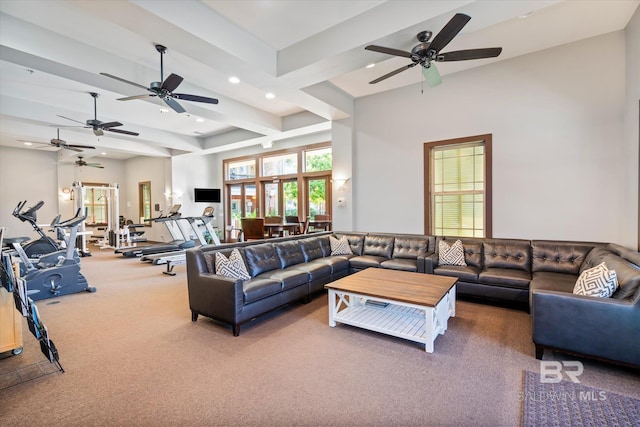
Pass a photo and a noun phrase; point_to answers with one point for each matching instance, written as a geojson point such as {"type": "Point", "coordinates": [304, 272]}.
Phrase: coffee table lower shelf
{"type": "Point", "coordinates": [412, 322]}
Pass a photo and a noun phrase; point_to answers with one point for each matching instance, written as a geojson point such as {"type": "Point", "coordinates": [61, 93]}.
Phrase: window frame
{"type": "Point", "coordinates": [488, 182]}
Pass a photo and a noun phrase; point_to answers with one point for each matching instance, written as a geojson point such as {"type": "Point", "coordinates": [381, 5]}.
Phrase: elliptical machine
{"type": "Point", "coordinates": [46, 279]}
{"type": "Point", "coordinates": [45, 244]}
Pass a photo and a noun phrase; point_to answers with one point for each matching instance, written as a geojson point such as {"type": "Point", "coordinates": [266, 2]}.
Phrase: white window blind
{"type": "Point", "coordinates": [458, 189]}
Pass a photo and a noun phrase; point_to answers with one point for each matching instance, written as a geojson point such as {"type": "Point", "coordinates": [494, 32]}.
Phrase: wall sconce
{"type": "Point", "coordinates": [66, 194]}
{"type": "Point", "coordinates": [340, 183]}
{"type": "Point", "coordinates": [267, 144]}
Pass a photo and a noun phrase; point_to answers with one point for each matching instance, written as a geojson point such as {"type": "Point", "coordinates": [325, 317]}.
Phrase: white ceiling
{"type": "Point", "coordinates": [310, 54]}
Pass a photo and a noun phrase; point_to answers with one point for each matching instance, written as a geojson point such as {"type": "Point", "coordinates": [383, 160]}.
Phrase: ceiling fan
{"type": "Point", "coordinates": [59, 143]}
{"type": "Point", "coordinates": [98, 126]}
{"type": "Point", "coordinates": [425, 53]}
{"type": "Point", "coordinates": [164, 88]}
{"type": "Point", "coordinates": [81, 162]}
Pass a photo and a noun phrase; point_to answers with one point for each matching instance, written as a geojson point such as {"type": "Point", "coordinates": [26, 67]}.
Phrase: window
{"type": "Point", "coordinates": [284, 164]}
{"type": "Point", "coordinates": [295, 182]}
{"type": "Point", "coordinates": [144, 200]}
{"type": "Point", "coordinates": [458, 187]}
{"type": "Point", "coordinates": [318, 160]}
{"type": "Point", "coordinates": [96, 202]}
{"type": "Point", "coordinates": [242, 169]}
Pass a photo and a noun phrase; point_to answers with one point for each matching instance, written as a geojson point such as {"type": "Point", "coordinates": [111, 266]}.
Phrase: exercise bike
{"type": "Point", "coordinates": [46, 279]}
{"type": "Point", "coordinates": [45, 244]}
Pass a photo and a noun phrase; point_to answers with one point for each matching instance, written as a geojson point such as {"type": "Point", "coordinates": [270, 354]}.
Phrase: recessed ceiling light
{"type": "Point", "coordinates": [370, 66]}
{"type": "Point", "coordinates": [199, 120]}
{"type": "Point", "coordinates": [526, 15]}
{"type": "Point", "coordinates": [103, 154]}
{"type": "Point", "coordinates": [234, 80]}
{"type": "Point", "coordinates": [269, 95]}
{"type": "Point", "coordinates": [164, 110]}
{"type": "Point", "coordinates": [28, 143]}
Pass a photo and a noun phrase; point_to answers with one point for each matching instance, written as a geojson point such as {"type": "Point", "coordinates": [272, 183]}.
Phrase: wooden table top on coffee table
{"type": "Point", "coordinates": [415, 288]}
{"type": "Point", "coordinates": [413, 306]}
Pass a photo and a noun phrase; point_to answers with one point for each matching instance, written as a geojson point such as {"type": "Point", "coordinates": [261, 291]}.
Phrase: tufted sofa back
{"type": "Point", "coordinates": [261, 258]}
{"type": "Point", "coordinates": [356, 241]}
{"type": "Point", "coordinates": [378, 246]}
{"type": "Point", "coordinates": [311, 249]}
{"type": "Point", "coordinates": [558, 257]}
{"type": "Point", "coordinates": [289, 253]}
{"type": "Point", "coordinates": [472, 249]}
{"type": "Point", "coordinates": [503, 253]}
{"type": "Point", "coordinates": [410, 247]}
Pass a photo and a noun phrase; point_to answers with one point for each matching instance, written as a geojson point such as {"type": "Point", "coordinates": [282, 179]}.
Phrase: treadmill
{"type": "Point", "coordinates": [177, 244]}
{"type": "Point", "coordinates": [178, 256]}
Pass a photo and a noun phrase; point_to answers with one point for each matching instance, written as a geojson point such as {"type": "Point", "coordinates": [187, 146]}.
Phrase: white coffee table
{"type": "Point", "coordinates": [413, 306]}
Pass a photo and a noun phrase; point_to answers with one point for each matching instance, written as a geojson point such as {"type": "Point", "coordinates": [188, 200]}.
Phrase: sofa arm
{"type": "Point", "coordinates": [600, 327]}
{"type": "Point", "coordinates": [421, 263]}
{"type": "Point", "coordinates": [215, 296]}
{"type": "Point", "coordinates": [430, 262]}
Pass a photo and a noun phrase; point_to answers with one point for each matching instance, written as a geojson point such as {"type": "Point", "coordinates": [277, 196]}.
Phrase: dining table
{"type": "Point", "coordinates": [324, 224]}
{"type": "Point", "coordinates": [281, 228]}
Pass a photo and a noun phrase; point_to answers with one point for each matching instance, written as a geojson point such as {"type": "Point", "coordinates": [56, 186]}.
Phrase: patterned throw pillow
{"type": "Point", "coordinates": [451, 255]}
{"type": "Point", "coordinates": [340, 247]}
{"type": "Point", "coordinates": [231, 267]}
{"type": "Point", "coordinates": [598, 281]}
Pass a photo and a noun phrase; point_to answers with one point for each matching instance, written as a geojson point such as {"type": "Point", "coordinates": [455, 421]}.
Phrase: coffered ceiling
{"type": "Point", "coordinates": [309, 54]}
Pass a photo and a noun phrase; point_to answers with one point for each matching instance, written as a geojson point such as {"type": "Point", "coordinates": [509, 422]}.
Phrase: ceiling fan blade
{"type": "Point", "coordinates": [129, 98]}
{"type": "Point", "coordinates": [98, 132]}
{"type": "Point", "coordinates": [171, 83]}
{"type": "Point", "coordinates": [393, 73]}
{"type": "Point", "coordinates": [173, 104]}
{"type": "Point", "coordinates": [126, 132]}
{"type": "Point", "coordinates": [463, 55]}
{"type": "Point", "coordinates": [449, 31]}
{"type": "Point", "coordinates": [33, 142]}
{"type": "Point", "coordinates": [195, 98]}
{"type": "Point", "coordinates": [124, 81]}
{"type": "Point", "coordinates": [389, 51]}
{"type": "Point", "coordinates": [69, 147]}
{"type": "Point", "coordinates": [110, 125]}
{"type": "Point", "coordinates": [94, 165]}
{"type": "Point", "coordinates": [87, 147]}
{"type": "Point", "coordinates": [73, 120]}
{"type": "Point", "coordinates": [431, 75]}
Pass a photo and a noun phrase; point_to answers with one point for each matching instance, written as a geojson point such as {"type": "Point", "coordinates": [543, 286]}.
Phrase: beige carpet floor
{"type": "Point", "coordinates": [132, 356]}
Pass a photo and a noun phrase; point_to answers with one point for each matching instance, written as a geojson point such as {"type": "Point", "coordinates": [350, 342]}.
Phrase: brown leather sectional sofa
{"type": "Point", "coordinates": [535, 274]}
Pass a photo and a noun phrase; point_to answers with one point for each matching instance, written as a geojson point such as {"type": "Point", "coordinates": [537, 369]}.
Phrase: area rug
{"type": "Point", "coordinates": [572, 404]}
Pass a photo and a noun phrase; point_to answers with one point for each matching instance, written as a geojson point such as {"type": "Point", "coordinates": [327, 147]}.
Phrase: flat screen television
{"type": "Point", "coordinates": [209, 195]}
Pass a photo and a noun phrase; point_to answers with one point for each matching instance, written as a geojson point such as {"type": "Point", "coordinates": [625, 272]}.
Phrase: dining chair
{"type": "Point", "coordinates": [321, 217]}
{"type": "Point", "coordinates": [305, 226]}
{"type": "Point", "coordinates": [274, 219]}
{"type": "Point", "coordinates": [252, 228]}
{"type": "Point", "coordinates": [291, 219]}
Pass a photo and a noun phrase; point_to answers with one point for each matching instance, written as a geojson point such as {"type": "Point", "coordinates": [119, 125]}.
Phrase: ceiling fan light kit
{"type": "Point", "coordinates": [426, 53]}
{"type": "Point", "coordinates": [164, 88]}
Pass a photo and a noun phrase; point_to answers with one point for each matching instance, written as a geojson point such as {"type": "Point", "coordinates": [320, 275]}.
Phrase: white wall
{"type": "Point", "coordinates": [556, 117]}
{"type": "Point", "coordinates": [29, 175]}
{"type": "Point", "coordinates": [631, 227]}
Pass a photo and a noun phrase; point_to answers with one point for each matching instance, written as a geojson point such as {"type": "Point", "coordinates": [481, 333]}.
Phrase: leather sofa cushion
{"type": "Point", "coordinates": [509, 277]}
{"type": "Point", "coordinates": [289, 277]}
{"type": "Point", "coordinates": [257, 288]}
{"type": "Point", "coordinates": [404, 264]}
{"type": "Point", "coordinates": [472, 249]}
{"type": "Point", "coordinates": [381, 246]}
{"type": "Point", "coordinates": [289, 253]}
{"type": "Point", "coordinates": [628, 276]}
{"type": "Point", "coordinates": [261, 258]}
{"type": "Point", "coordinates": [365, 261]}
{"type": "Point", "coordinates": [467, 273]}
{"type": "Point", "coordinates": [315, 270]}
{"type": "Point", "coordinates": [559, 257]}
{"type": "Point", "coordinates": [553, 281]}
{"type": "Point", "coordinates": [410, 248]}
{"type": "Point", "coordinates": [626, 253]}
{"type": "Point", "coordinates": [337, 263]}
{"type": "Point", "coordinates": [356, 241]}
{"type": "Point", "coordinates": [507, 254]}
{"type": "Point", "coordinates": [311, 249]}
{"type": "Point", "coordinates": [593, 258]}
